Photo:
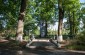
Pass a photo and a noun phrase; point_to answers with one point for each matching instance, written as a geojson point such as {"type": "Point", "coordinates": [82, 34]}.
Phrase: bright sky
{"type": "Point", "coordinates": [82, 1]}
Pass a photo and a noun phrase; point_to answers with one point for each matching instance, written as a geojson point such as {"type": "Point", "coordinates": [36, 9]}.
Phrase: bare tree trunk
{"type": "Point", "coordinates": [61, 14]}
{"type": "Point", "coordinates": [46, 31]}
{"type": "Point", "coordinates": [42, 33]}
{"type": "Point", "coordinates": [19, 33]}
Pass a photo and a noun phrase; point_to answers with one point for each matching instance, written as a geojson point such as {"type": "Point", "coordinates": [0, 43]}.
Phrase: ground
{"type": "Point", "coordinates": [40, 47]}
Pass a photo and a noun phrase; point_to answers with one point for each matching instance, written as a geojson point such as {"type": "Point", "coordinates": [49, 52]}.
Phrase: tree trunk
{"type": "Point", "coordinates": [74, 24]}
{"type": "Point", "coordinates": [42, 33]}
{"type": "Point", "coordinates": [71, 26]}
{"type": "Point", "coordinates": [61, 14]}
{"type": "Point", "coordinates": [19, 33]}
{"type": "Point", "coordinates": [46, 31]}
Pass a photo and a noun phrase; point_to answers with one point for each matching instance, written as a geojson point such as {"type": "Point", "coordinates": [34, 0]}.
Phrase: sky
{"type": "Point", "coordinates": [82, 1]}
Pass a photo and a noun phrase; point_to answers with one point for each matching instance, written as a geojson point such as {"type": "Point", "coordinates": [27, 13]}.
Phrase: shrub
{"type": "Point", "coordinates": [79, 42]}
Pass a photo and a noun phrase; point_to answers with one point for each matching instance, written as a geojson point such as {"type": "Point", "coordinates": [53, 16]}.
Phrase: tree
{"type": "Point", "coordinates": [19, 33]}
{"type": "Point", "coordinates": [45, 14]}
{"type": "Point", "coordinates": [83, 17]}
{"type": "Point", "coordinates": [72, 8]}
{"type": "Point", "coordinates": [61, 15]}
{"type": "Point", "coordinates": [8, 16]}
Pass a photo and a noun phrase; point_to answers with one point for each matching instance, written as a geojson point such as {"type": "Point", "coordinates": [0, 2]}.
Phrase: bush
{"type": "Point", "coordinates": [81, 38]}
{"type": "Point", "coordinates": [78, 43]}
{"type": "Point", "coordinates": [10, 36]}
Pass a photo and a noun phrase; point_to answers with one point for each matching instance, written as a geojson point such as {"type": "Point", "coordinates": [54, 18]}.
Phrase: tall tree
{"type": "Point", "coordinates": [83, 17]}
{"type": "Point", "coordinates": [44, 13]}
{"type": "Point", "coordinates": [71, 8]}
{"type": "Point", "coordinates": [75, 6]}
{"type": "Point", "coordinates": [61, 14]}
{"type": "Point", "coordinates": [8, 15]}
{"type": "Point", "coordinates": [19, 33]}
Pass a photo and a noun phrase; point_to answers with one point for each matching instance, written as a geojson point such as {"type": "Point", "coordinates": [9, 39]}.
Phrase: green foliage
{"type": "Point", "coordinates": [71, 5]}
{"type": "Point", "coordinates": [44, 9]}
{"type": "Point", "coordinates": [79, 42]}
{"type": "Point", "coordinates": [38, 10]}
{"type": "Point", "coordinates": [82, 17]}
{"type": "Point", "coordinates": [81, 38]}
{"type": "Point", "coordinates": [9, 12]}
{"type": "Point", "coordinates": [72, 10]}
{"type": "Point", "coordinates": [76, 47]}
{"type": "Point", "coordinates": [26, 38]}
{"type": "Point", "coordinates": [36, 32]}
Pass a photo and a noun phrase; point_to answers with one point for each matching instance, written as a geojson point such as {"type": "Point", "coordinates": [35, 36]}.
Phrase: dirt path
{"type": "Point", "coordinates": [40, 51]}
{"type": "Point", "coordinates": [43, 47]}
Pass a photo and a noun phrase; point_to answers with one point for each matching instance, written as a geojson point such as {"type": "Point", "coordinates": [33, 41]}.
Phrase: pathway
{"type": "Point", "coordinates": [41, 47]}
